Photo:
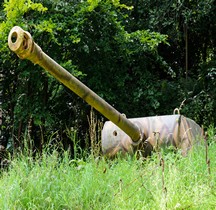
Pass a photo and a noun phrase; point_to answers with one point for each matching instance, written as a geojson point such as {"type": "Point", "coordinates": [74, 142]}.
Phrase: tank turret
{"type": "Point", "coordinates": [119, 133]}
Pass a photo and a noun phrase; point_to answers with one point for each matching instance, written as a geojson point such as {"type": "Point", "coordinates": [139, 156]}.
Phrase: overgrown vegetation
{"type": "Point", "coordinates": [163, 181]}
{"type": "Point", "coordinates": [144, 57]}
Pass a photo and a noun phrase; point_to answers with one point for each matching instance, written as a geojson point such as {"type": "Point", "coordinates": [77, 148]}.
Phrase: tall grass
{"type": "Point", "coordinates": [164, 181]}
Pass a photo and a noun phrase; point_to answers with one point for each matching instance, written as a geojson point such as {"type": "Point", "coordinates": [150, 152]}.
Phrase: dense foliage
{"type": "Point", "coordinates": [144, 57]}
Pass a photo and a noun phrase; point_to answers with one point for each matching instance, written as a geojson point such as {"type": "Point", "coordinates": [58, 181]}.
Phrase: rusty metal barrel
{"type": "Point", "coordinates": [22, 44]}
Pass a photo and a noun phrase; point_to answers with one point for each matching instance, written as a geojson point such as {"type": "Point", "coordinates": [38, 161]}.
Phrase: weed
{"type": "Point", "coordinates": [163, 181]}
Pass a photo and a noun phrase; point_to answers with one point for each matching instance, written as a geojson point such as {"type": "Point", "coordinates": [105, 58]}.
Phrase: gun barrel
{"type": "Point", "coordinates": [22, 44]}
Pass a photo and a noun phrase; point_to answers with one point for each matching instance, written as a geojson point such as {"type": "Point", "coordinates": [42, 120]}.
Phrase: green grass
{"type": "Point", "coordinates": [124, 183]}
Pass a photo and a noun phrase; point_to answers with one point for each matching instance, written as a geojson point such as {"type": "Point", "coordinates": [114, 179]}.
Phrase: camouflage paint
{"type": "Point", "coordinates": [159, 131]}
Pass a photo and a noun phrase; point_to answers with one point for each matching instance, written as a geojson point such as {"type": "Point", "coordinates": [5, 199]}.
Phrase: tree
{"type": "Point", "coordinates": [190, 27]}
{"type": "Point", "coordinates": [88, 39]}
{"type": "Point", "coordinates": [143, 57]}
